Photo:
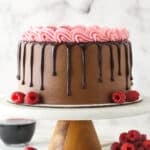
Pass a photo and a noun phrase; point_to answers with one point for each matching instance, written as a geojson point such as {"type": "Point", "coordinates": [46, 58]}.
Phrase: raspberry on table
{"type": "Point", "coordinates": [141, 148]}
{"type": "Point", "coordinates": [132, 140]}
{"type": "Point", "coordinates": [30, 148]}
{"type": "Point", "coordinates": [127, 146]}
{"type": "Point", "coordinates": [138, 143]}
{"type": "Point", "coordinates": [146, 144]}
{"type": "Point", "coordinates": [123, 137]}
{"type": "Point", "coordinates": [133, 135]}
{"type": "Point", "coordinates": [143, 137]}
{"type": "Point", "coordinates": [115, 146]}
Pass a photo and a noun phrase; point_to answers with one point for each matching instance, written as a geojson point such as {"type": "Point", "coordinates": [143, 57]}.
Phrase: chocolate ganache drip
{"type": "Point", "coordinates": [31, 64]}
{"type": "Point", "coordinates": [99, 63]}
{"type": "Point", "coordinates": [83, 56]}
{"type": "Point", "coordinates": [24, 62]}
{"type": "Point", "coordinates": [69, 70]}
{"type": "Point", "coordinates": [54, 52]}
{"type": "Point", "coordinates": [19, 60]}
{"type": "Point", "coordinates": [119, 58]}
{"type": "Point", "coordinates": [127, 65]}
{"type": "Point", "coordinates": [111, 62]}
{"type": "Point", "coordinates": [83, 47]}
{"type": "Point", "coordinates": [42, 66]}
{"type": "Point", "coordinates": [131, 59]}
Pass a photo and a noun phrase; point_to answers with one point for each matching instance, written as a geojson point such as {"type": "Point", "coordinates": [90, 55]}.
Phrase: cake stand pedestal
{"type": "Point", "coordinates": [74, 135]}
{"type": "Point", "coordinates": [69, 134]}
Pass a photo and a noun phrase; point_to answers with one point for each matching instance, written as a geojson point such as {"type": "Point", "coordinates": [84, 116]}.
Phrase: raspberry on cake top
{"type": "Point", "coordinates": [75, 34]}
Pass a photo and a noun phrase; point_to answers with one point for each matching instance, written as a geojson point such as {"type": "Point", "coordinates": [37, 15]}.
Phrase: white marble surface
{"type": "Point", "coordinates": [16, 15]}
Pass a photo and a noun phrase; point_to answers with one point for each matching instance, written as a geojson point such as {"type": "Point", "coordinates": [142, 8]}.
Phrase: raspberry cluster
{"type": "Point", "coordinates": [131, 140]}
{"type": "Point", "coordinates": [29, 98]}
{"type": "Point", "coordinates": [120, 97]}
{"type": "Point", "coordinates": [30, 148]}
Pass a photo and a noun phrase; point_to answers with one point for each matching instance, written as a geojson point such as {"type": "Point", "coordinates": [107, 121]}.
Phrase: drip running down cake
{"type": "Point", "coordinates": [73, 65]}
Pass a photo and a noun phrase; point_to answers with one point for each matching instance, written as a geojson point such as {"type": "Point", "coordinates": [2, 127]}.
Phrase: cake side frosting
{"type": "Point", "coordinates": [75, 73]}
{"type": "Point", "coordinates": [75, 34]}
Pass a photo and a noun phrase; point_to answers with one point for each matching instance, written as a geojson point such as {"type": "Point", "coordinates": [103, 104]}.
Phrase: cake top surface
{"type": "Point", "coordinates": [76, 34]}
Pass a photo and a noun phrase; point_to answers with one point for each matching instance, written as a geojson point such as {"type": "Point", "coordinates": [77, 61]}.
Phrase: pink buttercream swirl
{"type": "Point", "coordinates": [75, 34]}
{"type": "Point", "coordinates": [46, 34]}
{"type": "Point", "coordinates": [62, 34]}
{"type": "Point", "coordinates": [80, 34]}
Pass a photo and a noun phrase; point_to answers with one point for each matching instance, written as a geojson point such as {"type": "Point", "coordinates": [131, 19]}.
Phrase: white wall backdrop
{"type": "Point", "coordinates": [16, 15]}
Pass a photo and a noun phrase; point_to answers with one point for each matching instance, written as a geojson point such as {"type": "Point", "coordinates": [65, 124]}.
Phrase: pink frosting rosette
{"type": "Point", "coordinates": [96, 34]}
{"type": "Point", "coordinates": [75, 34]}
{"type": "Point", "coordinates": [46, 34]}
{"type": "Point", "coordinates": [30, 35]}
{"type": "Point", "coordinates": [62, 34]}
{"type": "Point", "coordinates": [80, 34]}
{"type": "Point", "coordinates": [115, 34]}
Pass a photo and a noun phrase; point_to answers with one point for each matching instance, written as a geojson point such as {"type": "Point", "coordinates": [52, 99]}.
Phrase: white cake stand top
{"type": "Point", "coordinates": [8, 110]}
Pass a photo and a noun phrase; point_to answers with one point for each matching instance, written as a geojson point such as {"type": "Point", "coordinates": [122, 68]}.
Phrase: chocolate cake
{"type": "Point", "coordinates": [75, 65]}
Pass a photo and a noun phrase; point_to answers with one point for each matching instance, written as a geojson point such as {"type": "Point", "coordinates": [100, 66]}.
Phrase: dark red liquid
{"type": "Point", "coordinates": [17, 131]}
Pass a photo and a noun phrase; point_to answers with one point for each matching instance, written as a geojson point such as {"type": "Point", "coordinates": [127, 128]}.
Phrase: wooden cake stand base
{"type": "Point", "coordinates": [74, 135]}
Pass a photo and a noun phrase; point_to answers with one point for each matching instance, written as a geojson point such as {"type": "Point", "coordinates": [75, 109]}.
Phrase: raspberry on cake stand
{"type": "Point", "coordinates": [77, 134]}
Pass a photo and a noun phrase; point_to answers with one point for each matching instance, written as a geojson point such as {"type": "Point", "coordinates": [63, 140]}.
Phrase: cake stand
{"type": "Point", "coordinates": [70, 132]}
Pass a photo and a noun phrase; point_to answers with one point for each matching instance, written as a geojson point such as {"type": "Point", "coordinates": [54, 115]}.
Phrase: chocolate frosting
{"type": "Point", "coordinates": [83, 47]}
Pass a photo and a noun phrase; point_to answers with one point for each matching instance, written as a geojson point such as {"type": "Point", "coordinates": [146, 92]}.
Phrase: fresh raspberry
{"type": "Point", "coordinates": [138, 144]}
{"type": "Point", "coordinates": [115, 146]}
{"type": "Point", "coordinates": [17, 97]}
{"type": "Point", "coordinates": [132, 95]}
{"type": "Point", "coordinates": [133, 135]}
{"type": "Point", "coordinates": [146, 144]}
{"type": "Point", "coordinates": [30, 148]}
{"type": "Point", "coordinates": [143, 137]}
{"type": "Point", "coordinates": [127, 146]}
{"type": "Point", "coordinates": [123, 138]}
{"type": "Point", "coordinates": [140, 148]}
{"type": "Point", "coordinates": [119, 97]}
{"type": "Point", "coordinates": [32, 98]}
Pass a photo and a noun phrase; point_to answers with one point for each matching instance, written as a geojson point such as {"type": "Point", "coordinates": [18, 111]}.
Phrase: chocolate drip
{"type": "Point", "coordinates": [31, 65]}
{"type": "Point", "coordinates": [128, 60]}
{"type": "Point", "coordinates": [83, 56]}
{"type": "Point", "coordinates": [24, 63]}
{"type": "Point", "coordinates": [99, 63]}
{"type": "Point", "coordinates": [111, 62]}
{"type": "Point", "coordinates": [68, 70]}
{"type": "Point", "coordinates": [127, 65]}
{"type": "Point", "coordinates": [131, 60]}
{"type": "Point", "coordinates": [54, 51]}
{"type": "Point", "coordinates": [19, 60]}
{"type": "Point", "coordinates": [119, 58]}
{"type": "Point", "coordinates": [42, 66]}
